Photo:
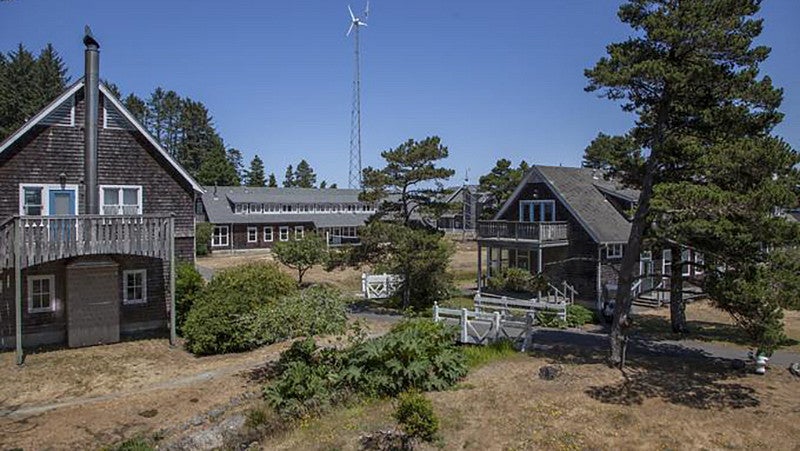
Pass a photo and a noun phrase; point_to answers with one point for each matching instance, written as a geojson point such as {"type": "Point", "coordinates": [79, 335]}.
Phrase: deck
{"type": "Point", "coordinates": [33, 240]}
{"type": "Point", "coordinates": [545, 233]}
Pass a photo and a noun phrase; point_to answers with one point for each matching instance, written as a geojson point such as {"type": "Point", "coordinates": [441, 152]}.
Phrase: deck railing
{"type": "Point", "coordinates": [40, 239]}
{"type": "Point", "coordinates": [532, 231]}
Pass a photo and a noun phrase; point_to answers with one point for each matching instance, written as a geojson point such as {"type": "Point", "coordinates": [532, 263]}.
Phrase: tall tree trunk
{"type": "Point", "coordinates": [677, 306]}
{"type": "Point", "coordinates": [639, 226]}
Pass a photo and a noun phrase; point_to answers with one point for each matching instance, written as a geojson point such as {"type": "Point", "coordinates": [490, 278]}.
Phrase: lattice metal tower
{"type": "Point", "coordinates": [354, 175]}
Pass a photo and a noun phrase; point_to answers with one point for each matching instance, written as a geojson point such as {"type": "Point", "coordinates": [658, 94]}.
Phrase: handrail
{"type": "Point", "coordinates": [536, 231]}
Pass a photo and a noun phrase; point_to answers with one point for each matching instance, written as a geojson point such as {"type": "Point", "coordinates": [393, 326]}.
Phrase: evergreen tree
{"type": "Point", "coordinates": [20, 95]}
{"type": "Point", "coordinates": [137, 107]}
{"type": "Point", "coordinates": [323, 184]}
{"type": "Point", "coordinates": [255, 176]}
{"type": "Point", "coordinates": [333, 186]}
{"type": "Point", "coordinates": [690, 74]}
{"type": "Point", "coordinates": [304, 176]}
{"type": "Point", "coordinates": [216, 169]}
{"type": "Point", "coordinates": [500, 182]}
{"type": "Point", "coordinates": [412, 173]}
{"type": "Point", "coordinates": [237, 161]}
{"type": "Point", "coordinates": [288, 178]}
{"type": "Point", "coordinates": [273, 182]}
{"type": "Point", "coordinates": [51, 75]}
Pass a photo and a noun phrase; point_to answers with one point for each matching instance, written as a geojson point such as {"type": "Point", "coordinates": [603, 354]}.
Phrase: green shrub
{"type": "Point", "coordinates": [202, 238]}
{"type": "Point", "coordinates": [301, 255]}
{"type": "Point", "coordinates": [188, 286]}
{"type": "Point", "coordinates": [578, 315]}
{"type": "Point", "coordinates": [517, 280]}
{"type": "Point", "coordinates": [414, 413]}
{"type": "Point", "coordinates": [317, 310]}
{"type": "Point", "coordinates": [415, 355]}
{"type": "Point", "coordinates": [218, 321]}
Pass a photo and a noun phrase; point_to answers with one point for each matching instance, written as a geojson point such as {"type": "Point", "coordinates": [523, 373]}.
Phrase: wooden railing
{"type": "Point", "coordinates": [534, 231]}
{"type": "Point", "coordinates": [40, 239]}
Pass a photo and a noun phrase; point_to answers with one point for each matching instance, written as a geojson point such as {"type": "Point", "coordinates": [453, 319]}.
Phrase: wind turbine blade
{"type": "Point", "coordinates": [362, 23]}
{"type": "Point", "coordinates": [352, 24]}
{"type": "Point", "coordinates": [352, 17]}
{"type": "Point", "coordinates": [366, 10]}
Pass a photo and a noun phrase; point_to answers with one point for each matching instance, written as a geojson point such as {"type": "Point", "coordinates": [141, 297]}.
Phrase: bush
{"type": "Point", "coordinates": [517, 280]}
{"type": "Point", "coordinates": [414, 413]}
{"type": "Point", "coordinates": [415, 355]}
{"type": "Point", "coordinates": [578, 315]}
{"type": "Point", "coordinates": [202, 238]}
{"type": "Point", "coordinates": [301, 255]}
{"type": "Point", "coordinates": [317, 310]}
{"type": "Point", "coordinates": [218, 320]}
{"type": "Point", "coordinates": [188, 286]}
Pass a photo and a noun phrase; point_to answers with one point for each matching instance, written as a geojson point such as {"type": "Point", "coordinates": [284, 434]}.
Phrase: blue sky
{"type": "Point", "coordinates": [493, 79]}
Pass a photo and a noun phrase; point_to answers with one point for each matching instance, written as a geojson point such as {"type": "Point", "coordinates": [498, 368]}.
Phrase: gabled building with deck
{"type": "Point", "coordinates": [94, 213]}
{"type": "Point", "coordinates": [571, 224]}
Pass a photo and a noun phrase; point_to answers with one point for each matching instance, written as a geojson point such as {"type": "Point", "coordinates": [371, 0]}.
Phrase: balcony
{"type": "Point", "coordinates": [32, 240]}
{"type": "Point", "coordinates": [539, 232]}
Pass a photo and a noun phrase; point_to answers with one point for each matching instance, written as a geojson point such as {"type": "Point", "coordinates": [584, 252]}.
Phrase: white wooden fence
{"type": "Point", "coordinates": [380, 286]}
{"type": "Point", "coordinates": [476, 327]}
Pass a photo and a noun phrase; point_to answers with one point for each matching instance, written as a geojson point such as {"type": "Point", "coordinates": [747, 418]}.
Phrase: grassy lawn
{"type": "Point", "coordinates": [707, 323]}
{"type": "Point", "coordinates": [661, 402]}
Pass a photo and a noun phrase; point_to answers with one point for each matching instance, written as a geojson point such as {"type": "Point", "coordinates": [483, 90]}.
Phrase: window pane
{"type": "Point", "coordinates": [130, 196]}
{"type": "Point", "coordinates": [110, 196]}
{"type": "Point", "coordinates": [33, 196]}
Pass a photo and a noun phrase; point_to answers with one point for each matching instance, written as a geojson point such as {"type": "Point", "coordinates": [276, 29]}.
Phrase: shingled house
{"type": "Point", "coordinates": [93, 215]}
{"type": "Point", "coordinates": [572, 224]}
{"type": "Point", "coordinates": [256, 218]}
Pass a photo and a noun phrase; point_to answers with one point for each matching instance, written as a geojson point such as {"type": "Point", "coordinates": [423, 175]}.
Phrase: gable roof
{"type": "Point", "coordinates": [581, 191]}
{"type": "Point", "coordinates": [72, 90]}
{"type": "Point", "coordinates": [217, 202]}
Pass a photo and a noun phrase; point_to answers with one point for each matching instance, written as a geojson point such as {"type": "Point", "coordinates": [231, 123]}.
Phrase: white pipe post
{"type": "Point", "coordinates": [463, 325]}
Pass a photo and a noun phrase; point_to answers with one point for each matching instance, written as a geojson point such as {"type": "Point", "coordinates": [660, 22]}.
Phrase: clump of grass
{"type": "Point", "coordinates": [133, 444]}
{"type": "Point", "coordinates": [478, 356]}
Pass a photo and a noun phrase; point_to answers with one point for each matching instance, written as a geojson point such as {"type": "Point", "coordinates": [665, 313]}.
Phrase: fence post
{"type": "Point", "coordinates": [496, 326]}
{"type": "Point", "coordinates": [435, 312]}
{"type": "Point", "coordinates": [526, 343]}
{"type": "Point", "coordinates": [464, 325]}
{"type": "Point", "coordinates": [364, 285]}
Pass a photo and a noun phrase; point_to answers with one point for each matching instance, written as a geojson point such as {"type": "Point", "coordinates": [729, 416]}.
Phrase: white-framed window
{"type": "Point", "coordinates": [614, 251]}
{"type": "Point", "coordinates": [120, 200]}
{"type": "Point", "coordinates": [666, 262]}
{"type": "Point", "coordinates": [241, 208]}
{"type": "Point", "coordinates": [35, 199]}
{"type": "Point", "coordinates": [267, 234]}
{"type": "Point", "coordinates": [284, 233]}
{"type": "Point", "coordinates": [255, 208]}
{"type": "Point", "coordinates": [41, 293]}
{"type": "Point", "coordinates": [32, 201]}
{"type": "Point", "coordinates": [537, 210]}
{"type": "Point", "coordinates": [686, 260]}
{"type": "Point", "coordinates": [699, 262]}
{"type": "Point", "coordinates": [220, 236]}
{"type": "Point", "coordinates": [134, 286]}
{"type": "Point", "coordinates": [252, 234]}
{"type": "Point", "coordinates": [299, 232]}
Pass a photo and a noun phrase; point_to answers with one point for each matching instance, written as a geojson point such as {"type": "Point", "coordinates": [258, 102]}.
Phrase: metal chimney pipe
{"type": "Point", "coordinates": [91, 89]}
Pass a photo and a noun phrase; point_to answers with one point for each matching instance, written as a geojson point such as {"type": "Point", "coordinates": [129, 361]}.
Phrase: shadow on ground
{"type": "Point", "coordinates": [675, 374]}
{"type": "Point", "coordinates": [659, 328]}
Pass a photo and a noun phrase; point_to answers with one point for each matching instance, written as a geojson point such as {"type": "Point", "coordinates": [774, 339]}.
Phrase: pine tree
{"type": "Point", "coordinates": [237, 161]}
{"type": "Point", "coordinates": [288, 178]}
{"type": "Point", "coordinates": [51, 75]}
{"type": "Point", "coordinates": [323, 184]}
{"type": "Point", "coordinates": [216, 169]}
{"type": "Point", "coordinates": [273, 182]}
{"type": "Point", "coordinates": [689, 73]}
{"type": "Point", "coordinates": [412, 172]}
{"type": "Point", "coordinates": [255, 175]}
{"type": "Point", "coordinates": [500, 182]}
{"type": "Point", "coordinates": [137, 107]}
{"type": "Point", "coordinates": [20, 96]}
{"type": "Point", "coordinates": [304, 176]}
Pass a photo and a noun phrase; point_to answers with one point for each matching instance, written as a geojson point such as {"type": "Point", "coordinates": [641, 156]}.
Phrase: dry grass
{"type": "Point", "coordinates": [348, 279]}
{"type": "Point", "coordinates": [661, 403]}
{"type": "Point", "coordinates": [707, 323]}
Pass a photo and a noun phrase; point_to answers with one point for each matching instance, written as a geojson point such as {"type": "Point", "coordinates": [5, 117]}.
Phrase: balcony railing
{"type": "Point", "coordinates": [527, 231]}
{"type": "Point", "coordinates": [33, 240]}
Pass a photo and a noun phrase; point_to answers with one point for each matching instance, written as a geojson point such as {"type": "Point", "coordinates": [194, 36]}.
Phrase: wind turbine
{"type": "Point", "coordinates": [354, 176]}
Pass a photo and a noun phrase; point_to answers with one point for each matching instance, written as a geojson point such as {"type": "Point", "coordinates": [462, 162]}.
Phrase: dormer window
{"type": "Point", "coordinates": [241, 208]}
{"type": "Point", "coordinates": [255, 208]}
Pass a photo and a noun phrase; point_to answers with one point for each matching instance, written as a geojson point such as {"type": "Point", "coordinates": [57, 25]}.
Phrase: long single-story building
{"type": "Point", "coordinates": [256, 217]}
